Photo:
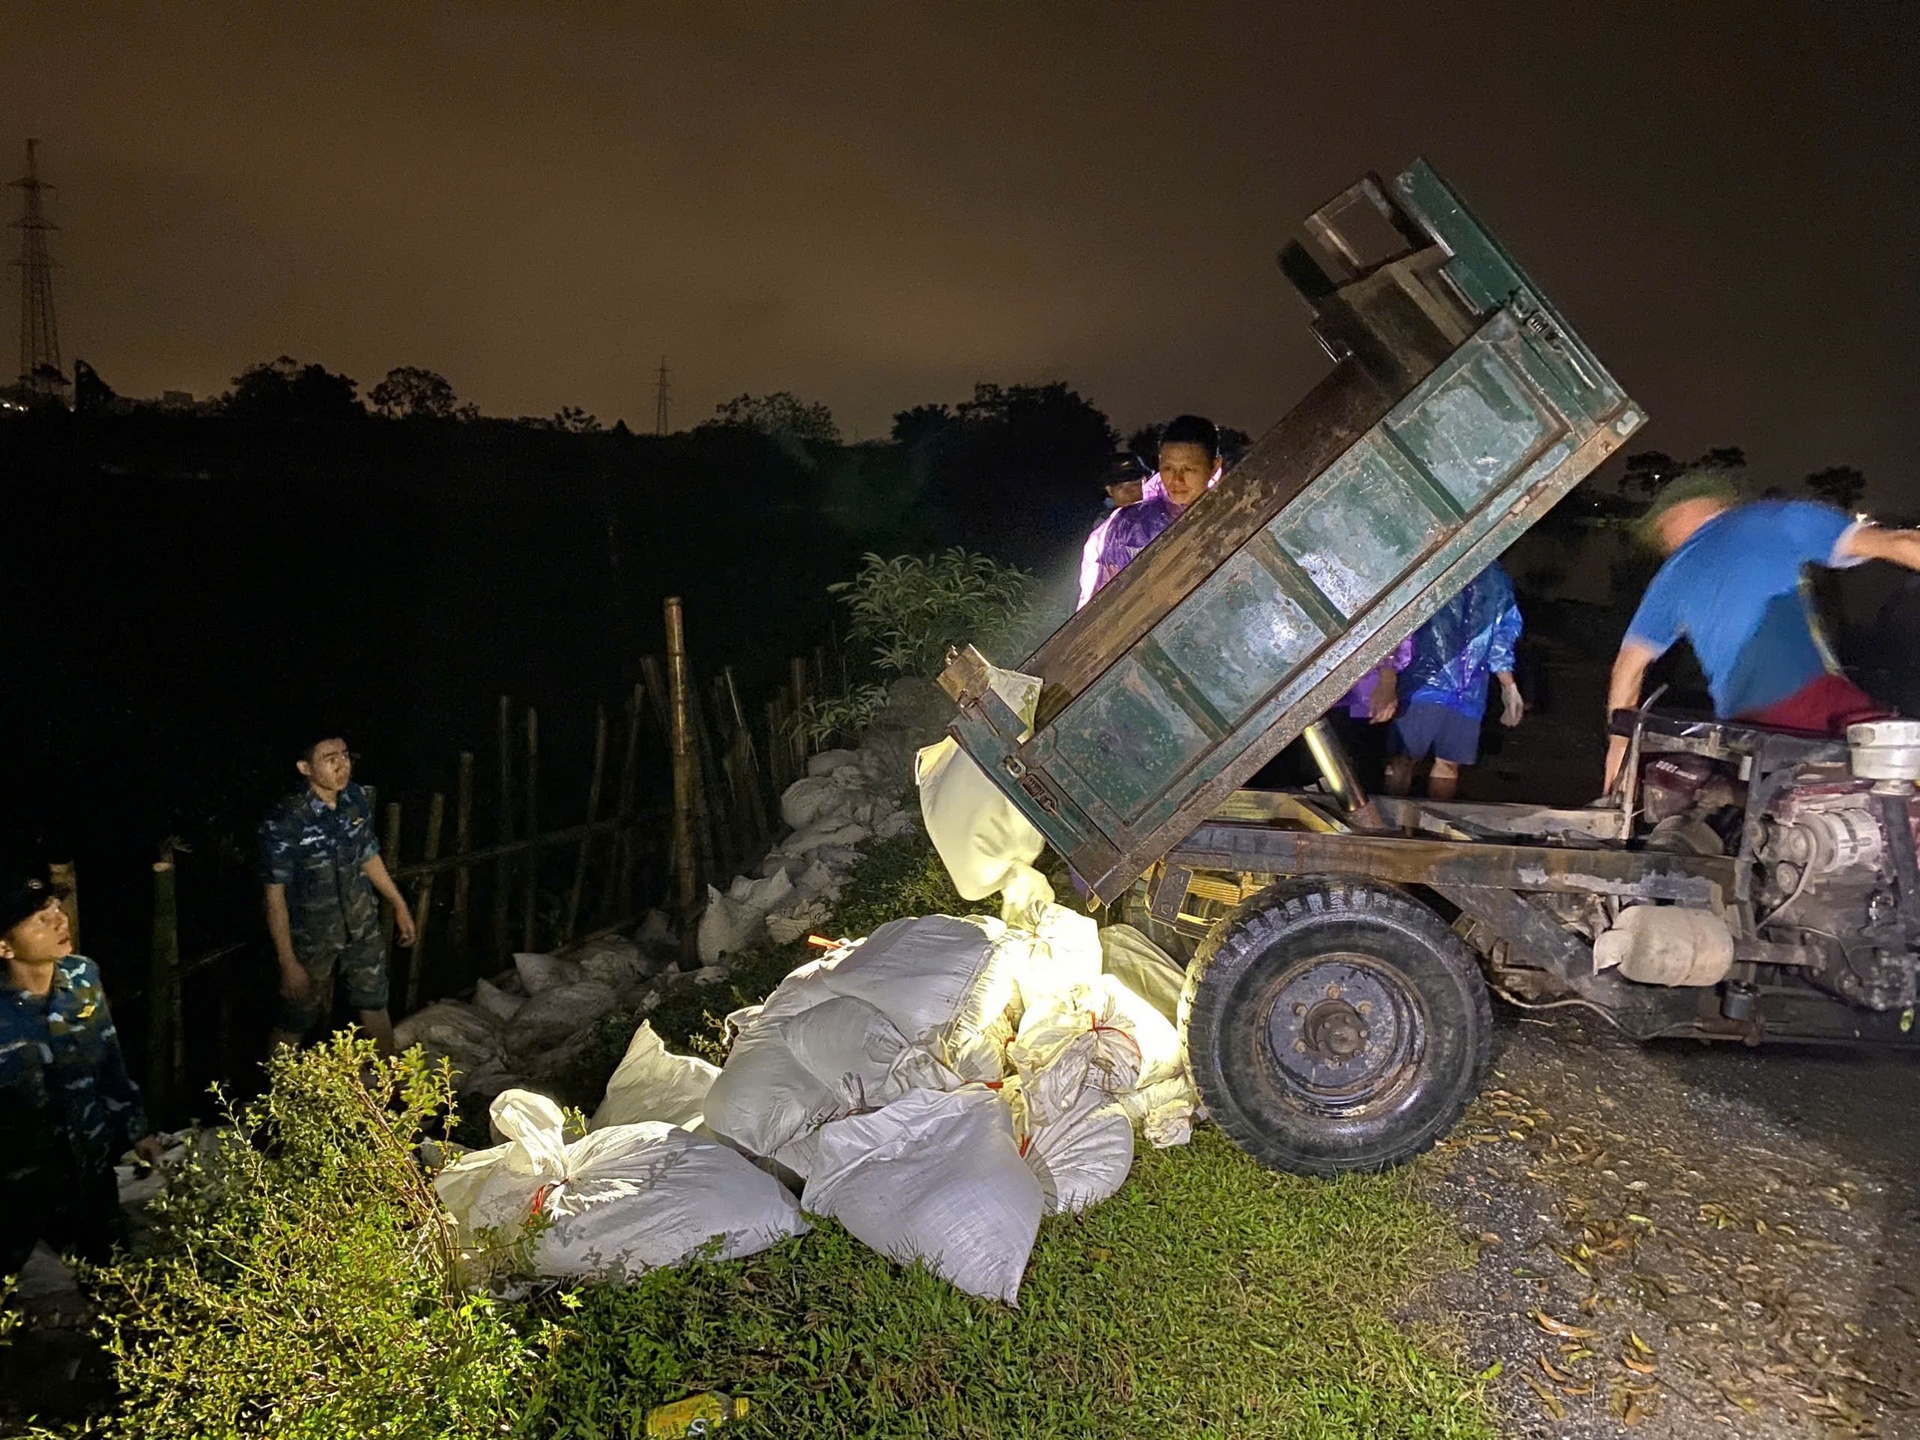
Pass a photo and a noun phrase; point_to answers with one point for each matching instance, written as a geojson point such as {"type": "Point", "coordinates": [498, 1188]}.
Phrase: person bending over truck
{"type": "Point", "coordinates": [322, 867]}
{"type": "Point", "coordinates": [1732, 585]}
{"type": "Point", "coordinates": [1189, 466]}
{"type": "Point", "coordinates": [1468, 639]}
{"type": "Point", "coordinates": [68, 1108]}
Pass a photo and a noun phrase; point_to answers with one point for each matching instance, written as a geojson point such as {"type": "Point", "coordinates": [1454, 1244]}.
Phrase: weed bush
{"type": "Point", "coordinates": [303, 1284]}
{"type": "Point", "coordinates": [911, 609]}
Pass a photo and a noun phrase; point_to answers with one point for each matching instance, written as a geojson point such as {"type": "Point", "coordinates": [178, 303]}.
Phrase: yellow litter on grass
{"type": "Point", "coordinates": [695, 1415]}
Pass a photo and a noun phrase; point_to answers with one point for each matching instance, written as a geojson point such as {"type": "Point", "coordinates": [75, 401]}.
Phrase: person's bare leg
{"type": "Point", "coordinates": [379, 1025]}
{"type": "Point", "coordinates": [1444, 782]}
{"type": "Point", "coordinates": [1399, 780]}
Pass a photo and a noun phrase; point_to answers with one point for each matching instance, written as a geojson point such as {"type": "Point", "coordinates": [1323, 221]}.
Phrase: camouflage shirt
{"type": "Point", "coordinates": [63, 1080]}
{"type": "Point", "coordinates": [319, 853]}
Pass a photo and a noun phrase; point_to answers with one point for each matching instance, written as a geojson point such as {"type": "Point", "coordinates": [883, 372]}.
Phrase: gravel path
{"type": "Point", "coordinates": [1682, 1240]}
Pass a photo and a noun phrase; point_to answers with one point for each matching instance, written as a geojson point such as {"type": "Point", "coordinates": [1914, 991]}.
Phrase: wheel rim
{"type": "Point", "coordinates": [1345, 1034]}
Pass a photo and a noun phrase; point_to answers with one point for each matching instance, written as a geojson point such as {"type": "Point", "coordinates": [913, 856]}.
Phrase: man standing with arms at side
{"type": "Point", "coordinates": [322, 868]}
{"type": "Point", "coordinates": [1731, 584]}
{"type": "Point", "coordinates": [1469, 639]}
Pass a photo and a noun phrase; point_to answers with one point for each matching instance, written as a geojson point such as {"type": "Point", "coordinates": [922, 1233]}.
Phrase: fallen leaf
{"type": "Point", "coordinates": [1487, 1237]}
{"type": "Point", "coordinates": [1639, 1344]}
{"type": "Point", "coordinates": [1638, 1366]}
{"type": "Point", "coordinates": [1634, 1413]}
{"type": "Point", "coordinates": [1554, 1372]}
{"type": "Point", "coordinates": [1560, 1327]}
{"type": "Point", "coordinates": [1547, 1398]}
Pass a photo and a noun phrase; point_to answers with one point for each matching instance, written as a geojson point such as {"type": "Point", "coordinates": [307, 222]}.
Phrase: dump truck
{"type": "Point", "coordinates": [1739, 884]}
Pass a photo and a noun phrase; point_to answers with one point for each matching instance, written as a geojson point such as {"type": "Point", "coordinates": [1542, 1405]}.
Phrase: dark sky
{"type": "Point", "coordinates": [877, 205]}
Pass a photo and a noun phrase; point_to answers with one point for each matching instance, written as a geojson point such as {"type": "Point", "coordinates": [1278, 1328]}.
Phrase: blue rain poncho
{"type": "Point", "coordinates": [1468, 639]}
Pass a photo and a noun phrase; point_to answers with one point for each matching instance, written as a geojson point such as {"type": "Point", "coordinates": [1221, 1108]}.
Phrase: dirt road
{"type": "Point", "coordinates": [1682, 1241]}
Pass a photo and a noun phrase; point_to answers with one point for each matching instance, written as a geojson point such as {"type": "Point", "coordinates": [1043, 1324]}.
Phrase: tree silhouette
{"type": "Point", "coordinates": [1840, 485]}
{"type": "Point", "coordinates": [284, 390]}
{"type": "Point", "coordinates": [575, 421]}
{"type": "Point", "coordinates": [781, 414]}
{"type": "Point", "coordinates": [410, 392]}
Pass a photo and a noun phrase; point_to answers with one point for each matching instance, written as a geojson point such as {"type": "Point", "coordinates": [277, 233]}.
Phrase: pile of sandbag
{"type": "Point", "coordinates": [531, 1024]}
{"type": "Point", "coordinates": [845, 801]}
{"type": "Point", "coordinates": [617, 1203]}
{"type": "Point", "coordinates": [909, 1078]}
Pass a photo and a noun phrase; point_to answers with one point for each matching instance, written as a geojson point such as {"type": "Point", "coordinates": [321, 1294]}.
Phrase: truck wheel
{"type": "Point", "coordinates": [1332, 1025]}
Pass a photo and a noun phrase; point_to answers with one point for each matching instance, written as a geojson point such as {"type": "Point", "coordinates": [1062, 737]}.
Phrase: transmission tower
{"type": "Point", "coordinates": [40, 372]}
{"type": "Point", "coordinates": [660, 400]}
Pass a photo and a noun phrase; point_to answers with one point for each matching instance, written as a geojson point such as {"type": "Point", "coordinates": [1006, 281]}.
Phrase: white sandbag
{"type": "Point", "coordinates": [553, 1016]}
{"type": "Point", "coordinates": [900, 822]}
{"type": "Point", "coordinates": [1083, 1157]}
{"type": "Point", "coordinates": [653, 1083]}
{"type": "Point", "coordinates": [763, 1096]}
{"type": "Point", "coordinates": [839, 835]}
{"type": "Point", "coordinates": [818, 800]}
{"type": "Point", "coordinates": [614, 960]}
{"type": "Point", "coordinates": [1098, 1038]}
{"type": "Point", "coordinates": [939, 979]}
{"type": "Point", "coordinates": [798, 922]}
{"type": "Point", "coordinates": [935, 1176]}
{"type": "Point", "coordinates": [621, 1201]}
{"type": "Point", "coordinates": [1056, 952]}
{"type": "Point", "coordinates": [839, 859]}
{"type": "Point", "coordinates": [468, 1038]}
{"type": "Point", "coordinates": [815, 882]}
{"type": "Point", "coordinates": [496, 1004]}
{"type": "Point", "coordinates": [979, 833]}
{"type": "Point", "coordinates": [547, 972]}
{"type": "Point", "coordinates": [828, 761]}
{"type": "Point", "coordinates": [656, 933]}
{"type": "Point", "coordinates": [727, 927]}
{"type": "Point", "coordinates": [762, 894]}
{"type": "Point", "coordinates": [1144, 968]}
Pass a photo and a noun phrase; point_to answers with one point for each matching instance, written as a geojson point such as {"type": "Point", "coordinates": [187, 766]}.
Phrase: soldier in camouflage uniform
{"type": "Point", "coordinates": [322, 868]}
{"type": "Point", "coordinates": [68, 1108]}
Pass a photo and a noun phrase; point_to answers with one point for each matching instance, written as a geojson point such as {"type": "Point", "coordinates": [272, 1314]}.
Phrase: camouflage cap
{"type": "Point", "coordinates": [1704, 483]}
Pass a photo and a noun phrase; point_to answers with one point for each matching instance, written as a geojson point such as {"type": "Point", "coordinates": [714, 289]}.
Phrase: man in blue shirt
{"type": "Point", "coordinates": [1731, 584]}
{"type": "Point", "coordinates": [1469, 640]}
{"type": "Point", "coordinates": [68, 1108]}
{"type": "Point", "coordinates": [321, 865]}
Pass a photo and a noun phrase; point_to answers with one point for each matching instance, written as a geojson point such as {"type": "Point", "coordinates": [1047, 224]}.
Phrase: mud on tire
{"type": "Point", "coordinates": [1334, 1025]}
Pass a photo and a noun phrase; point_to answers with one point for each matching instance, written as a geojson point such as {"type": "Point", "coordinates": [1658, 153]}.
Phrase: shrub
{"type": "Point", "coordinates": [304, 1280]}
{"type": "Point", "coordinates": [912, 609]}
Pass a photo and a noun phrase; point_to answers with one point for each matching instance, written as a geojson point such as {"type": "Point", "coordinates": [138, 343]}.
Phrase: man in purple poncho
{"type": "Point", "coordinates": [1189, 465]}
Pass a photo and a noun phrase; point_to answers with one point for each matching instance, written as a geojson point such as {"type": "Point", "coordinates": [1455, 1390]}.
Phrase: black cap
{"type": "Point", "coordinates": [1124, 467]}
{"type": "Point", "coordinates": [23, 895]}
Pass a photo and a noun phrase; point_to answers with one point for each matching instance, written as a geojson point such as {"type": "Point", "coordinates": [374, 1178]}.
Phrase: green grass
{"type": "Point", "coordinates": [1208, 1298]}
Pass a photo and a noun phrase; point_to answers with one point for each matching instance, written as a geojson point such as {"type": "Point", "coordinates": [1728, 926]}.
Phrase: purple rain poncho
{"type": "Point", "coordinates": [1125, 533]}
{"type": "Point", "coordinates": [1468, 639]}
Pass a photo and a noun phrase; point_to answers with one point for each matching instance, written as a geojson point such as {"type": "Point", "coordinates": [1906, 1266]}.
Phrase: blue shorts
{"type": "Point", "coordinates": [1427, 727]}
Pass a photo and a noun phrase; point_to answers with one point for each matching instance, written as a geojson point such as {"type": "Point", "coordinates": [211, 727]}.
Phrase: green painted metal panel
{"type": "Point", "coordinates": [1358, 527]}
{"type": "Point", "coordinates": [1476, 430]}
{"type": "Point", "coordinates": [1128, 737]}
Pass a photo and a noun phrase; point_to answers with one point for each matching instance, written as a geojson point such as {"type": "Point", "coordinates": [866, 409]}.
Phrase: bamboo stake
{"type": "Point", "coordinates": [683, 773]}
{"type": "Point", "coordinates": [66, 880]}
{"type": "Point", "coordinates": [629, 775]}
{"type": "Point", "coordinates": [797, 668]}
{"type": "Point", "coordinates": [776, 748]}
{"type": "Point", "coordinates": [463, 846]}
{"type": "Point", "coordinates": [532, 906]}
{"type": "Point", "coordinates": [743, 739]}
{"type": "Point", "coordinates": [593, 813]}
{"type": "Point", "coordinates": [389, 852]}
{"type": "Point", "coordinates": [503, 872]}
{"type": "Point", "coordinates": [163, 979]}
{"type": "Point", "coordinates": [423, 905]}
{"type": "Point", "coordinates": [658, 691]}
{"type": "Point", "coordinates": [715, 833]}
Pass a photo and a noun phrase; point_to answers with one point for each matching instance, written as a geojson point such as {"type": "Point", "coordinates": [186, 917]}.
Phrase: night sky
{"type": "Point", "coordinates": [878, 205]}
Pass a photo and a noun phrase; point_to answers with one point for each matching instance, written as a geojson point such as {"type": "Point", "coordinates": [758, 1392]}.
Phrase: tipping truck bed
{"type": "Point", "coordinates": [1460, 409]}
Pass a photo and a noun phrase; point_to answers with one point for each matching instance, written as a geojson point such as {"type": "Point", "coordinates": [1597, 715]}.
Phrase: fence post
{"type": "Point", "coordinates": [797, 667]}
{"type": "Point", "coordinates": [593, 813]}
{"type": "Point", "coordinates": [463, 846]}
{"type": "Point", "coordinates": [629, 778]}
{"type": "Point", "coordinates": [683, 773]}
{"type": "Point", "coordinates": [423, 906]}
{"type": "Point", "coordinates": [66, 880]}
{"type": "Point", "coordinates": [390, 852]}
{"type": "Point", "coordinates": [503, 867]}
{"type": "Point", "coordinates": [532, 915]}
{"type": "Point", "coordinates": [163, 979]}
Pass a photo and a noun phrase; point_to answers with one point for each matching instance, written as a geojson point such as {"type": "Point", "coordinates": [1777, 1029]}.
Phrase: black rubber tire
{"type": "Point", "coordinates": [1433, 1039]}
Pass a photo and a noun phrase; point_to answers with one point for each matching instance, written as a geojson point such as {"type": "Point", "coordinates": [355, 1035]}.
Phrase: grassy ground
{"type": "Point", "coordinates": [1209, 1298]}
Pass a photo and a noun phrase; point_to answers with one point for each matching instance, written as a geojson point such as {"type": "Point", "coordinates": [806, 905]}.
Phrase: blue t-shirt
{"type": "Point", "coordinates": [1733, 589]}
